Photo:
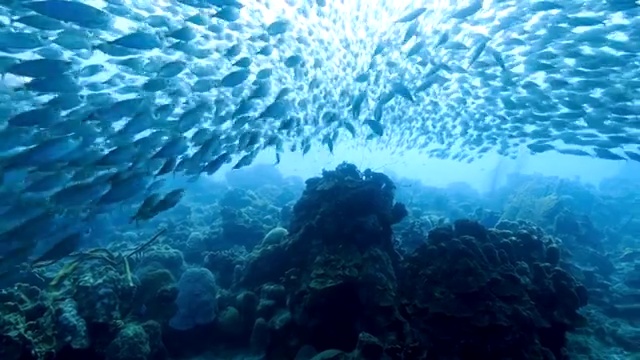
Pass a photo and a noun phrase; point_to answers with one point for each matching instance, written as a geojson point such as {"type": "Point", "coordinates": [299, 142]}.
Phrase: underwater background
{"type": "Point", "coordinates": [319, 179]}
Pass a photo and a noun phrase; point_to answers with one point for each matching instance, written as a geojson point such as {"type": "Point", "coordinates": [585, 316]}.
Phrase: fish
{"type": "Point", "coordinates": [78, 13]}
{"type": "Point", "coordinates": [228, 13]}
{"type": "Point", "coordinates": [473, 8]}
{"type": "Point", "coordinates": [215, 164]}
{"type": "Point", "coordinates": [45, 152]}
{"type": "Point", "coordinates": [124, 188]}
{"type": "Point", "coordinates": [138, 40]}
{"type": "Point", "coordinates": [185, 33]}
{"type": "Point", "coordinates": [375, 127]}
{"type": "Point", "coordinates": [145, 210]}
{"type": "Point", "coordinates": [61, 248]}
{"type": "Point", "coordinates": [235, 78]}
{"type": "Point", "coordinates": [48, 182]}
{"type": "Point", "coordinates": [168, 201]}
{"type": "Point", "coordinates": [411, 32]}
{"type": "Point", "coordinates": [105, 107]}
{"type": "Point", "coordinates": [412, 15]}
{"type": "Point", "coordinates": [278, 27]}
{"type": "Point", "coordinates": [40, 68]}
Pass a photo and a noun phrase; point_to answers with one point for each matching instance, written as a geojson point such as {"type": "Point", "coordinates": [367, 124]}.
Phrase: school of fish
{"type": "Point", "coordinates": [103, 100]}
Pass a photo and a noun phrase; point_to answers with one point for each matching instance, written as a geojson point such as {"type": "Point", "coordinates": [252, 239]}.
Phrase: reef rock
{"type": "Point", "coordinates": [475, 293]}
{"type": "Point", "coordinates": [337, 264]}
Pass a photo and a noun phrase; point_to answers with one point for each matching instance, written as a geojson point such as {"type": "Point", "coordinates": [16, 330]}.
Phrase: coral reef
{"type": "Point", "coordinates": [338, 267]}
{"type": "Point", "coordinates": [246, 217]}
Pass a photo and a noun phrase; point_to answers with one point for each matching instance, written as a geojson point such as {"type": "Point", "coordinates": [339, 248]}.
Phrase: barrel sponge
{"type": "Point", "coordinates": [197, 299]}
